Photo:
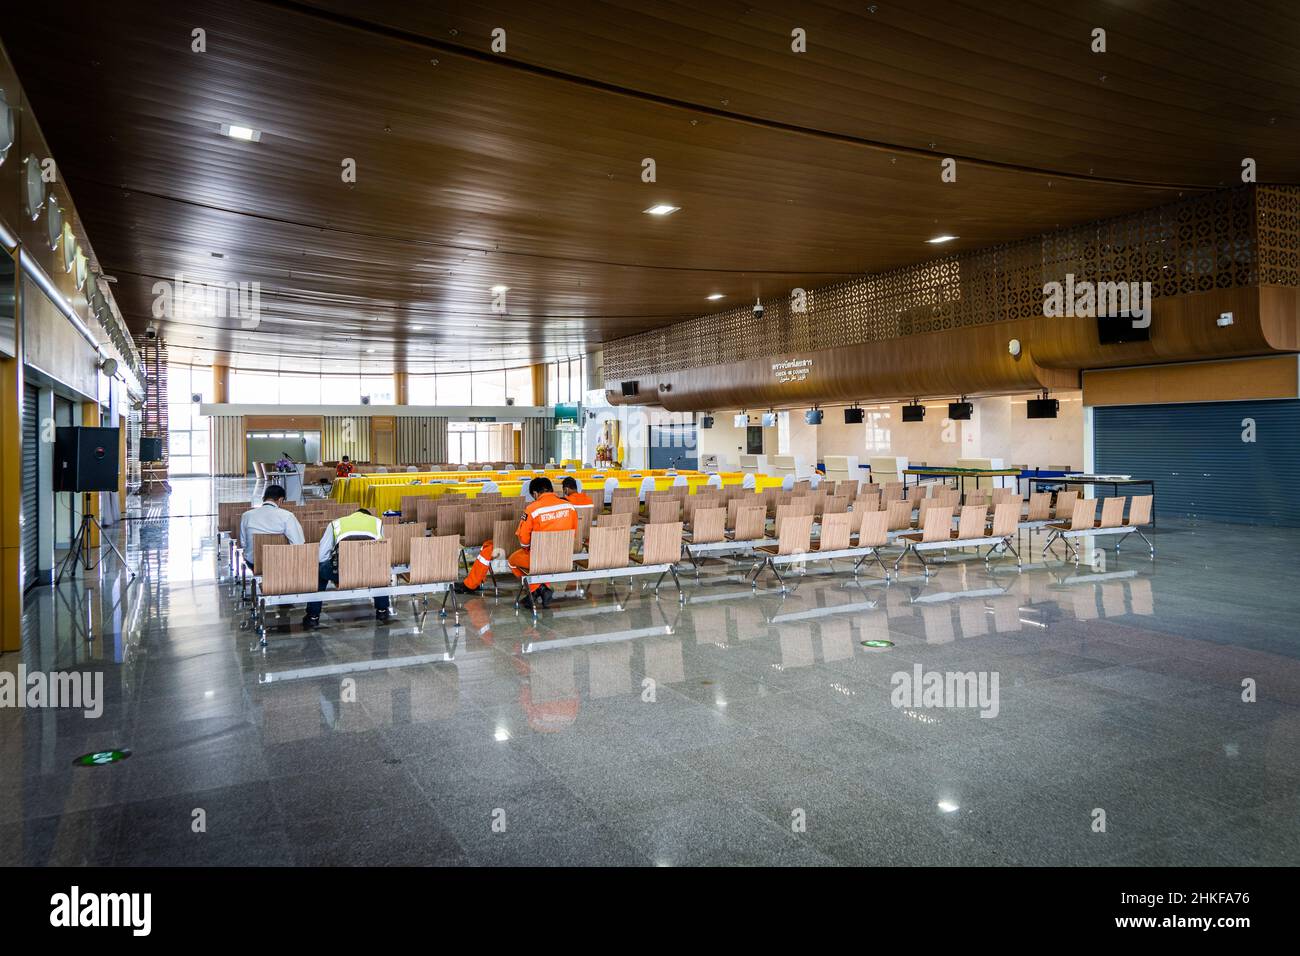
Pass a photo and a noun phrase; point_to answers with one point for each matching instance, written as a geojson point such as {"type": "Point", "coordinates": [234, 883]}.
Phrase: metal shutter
{"type": "Point", "coordinates": [31, 528]}
{"type": "Point", "coordinates": [1200, 464]}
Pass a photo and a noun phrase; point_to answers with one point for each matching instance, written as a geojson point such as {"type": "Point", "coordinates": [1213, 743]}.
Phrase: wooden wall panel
{"type": "Point", "coordinates": [1274, 376]}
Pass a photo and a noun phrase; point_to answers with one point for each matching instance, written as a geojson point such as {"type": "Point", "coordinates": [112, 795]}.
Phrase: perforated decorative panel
{"type": "Point", "coordinates": [1194, 245]}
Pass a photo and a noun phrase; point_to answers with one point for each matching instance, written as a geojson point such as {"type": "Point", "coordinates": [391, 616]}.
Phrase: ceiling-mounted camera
{"type": "Point", "coordinates": [151, 331]}
{"type": "Point", "coordinates": [758, 308]}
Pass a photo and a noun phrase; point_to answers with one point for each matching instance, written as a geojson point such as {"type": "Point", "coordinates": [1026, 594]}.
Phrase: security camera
{"type": "Point", "coordinates": [758, 309]}
{"type": "Point", "coordinates": [151, 331]}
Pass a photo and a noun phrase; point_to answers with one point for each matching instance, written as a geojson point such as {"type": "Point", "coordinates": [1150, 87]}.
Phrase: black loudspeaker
{"type": "Point", "coordinates": [151, 449]}
{"type": "Point", "coordinates": [1043, 407]}
{"type": "Point", "coordinates": [631, 388]}
{"type": "Point", "coordinates": [913, 413]}
{"type": "Point", "coordinates": [85, 459]}
{"type": "Point", "coordinates": [853, 416]}
{"type": "Point", "coordinates": [960, 411]}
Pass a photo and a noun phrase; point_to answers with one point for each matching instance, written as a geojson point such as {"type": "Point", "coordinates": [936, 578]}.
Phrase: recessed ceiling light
{"type": "Point", "coordinates": [246, 133]}
{"type": "Point", "coordinates": [416, 328]}
{"type": "Point", "coordinates": [370, 351]}
{"type": "Point", "coordinates": [947, 806]}
{"type": "Point", "coordinates": [662, 209]}
{"type": "Point", "coordinates": [500, 288]}
{"type": "Point", "coordinates": [939, 239]}
{"type": "Point", "coordinates": [716, 296]}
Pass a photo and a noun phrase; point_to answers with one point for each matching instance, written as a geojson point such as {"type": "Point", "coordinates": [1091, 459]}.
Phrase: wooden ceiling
{"type": "Point", "coordinates": [523, 169]}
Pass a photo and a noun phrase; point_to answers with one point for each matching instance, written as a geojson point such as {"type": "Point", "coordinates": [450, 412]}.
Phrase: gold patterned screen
{"type": "Point", "coordinates": [1196, 244]}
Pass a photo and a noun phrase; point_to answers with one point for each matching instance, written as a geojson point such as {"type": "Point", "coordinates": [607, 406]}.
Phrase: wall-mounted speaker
{"type": "Point", "coordinates": [706, 421]}
{"type": "Point", "coordinates": [960, 411]}
{"type": "Point", "coordinates": [914, 413]}
{"type": "Point", "coordinates": [1043, 407]}
{"type": "Point", "coordinates": [853, 416]}
{"type": "Point", "coordinates": [630, 388]}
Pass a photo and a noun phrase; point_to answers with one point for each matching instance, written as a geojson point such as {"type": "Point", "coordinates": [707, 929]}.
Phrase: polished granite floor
{"type": "Point", "coordinates": [740, 728]}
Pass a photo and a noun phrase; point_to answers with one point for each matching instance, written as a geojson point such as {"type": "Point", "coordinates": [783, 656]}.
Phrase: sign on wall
{"type": "Point", "coordinates": [792, 370]}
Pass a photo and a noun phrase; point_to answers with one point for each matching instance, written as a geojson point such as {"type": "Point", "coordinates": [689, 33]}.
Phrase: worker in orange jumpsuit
{"type": "Point", "coordinates": [479, 571]}
{"type": "Point", "coordinates": [547, 511]}
{"type": "Point", "coordinates": [344, 468]}
{"type": "Point", "coordinates": [570, 493]}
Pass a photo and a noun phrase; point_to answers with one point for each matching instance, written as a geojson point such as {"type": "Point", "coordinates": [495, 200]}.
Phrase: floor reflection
{"type": "Point", "coordinates": [657, 732]}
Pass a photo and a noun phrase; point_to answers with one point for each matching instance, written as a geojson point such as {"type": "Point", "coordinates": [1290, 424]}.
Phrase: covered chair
{"type": "Point", "coordinates": [647, 486]}
{"type": "Point", "coordinates": [680, 482]}
{"type": "Point", "coordinates": [714, 481]}
{"type": "Point", "coordinates": [748, 482]}
{"type": "Point", "coordinates": [787, 483]}
{"type": "Point", "coordinates": [611, 485]}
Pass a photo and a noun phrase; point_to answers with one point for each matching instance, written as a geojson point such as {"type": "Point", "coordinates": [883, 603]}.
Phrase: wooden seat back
{"type": "Point", "coordinates": [1064, 503]}
{"type": "Point", "coordinates": [610, 547]}
{"type": "Point", "coordinates": [836, 529]}
{"type": "Point", "coordinates": [971, 520]}
{"type": "Point", "coordinates": [289, 568]}
{"type": "Point", "coordinates": [1040, 506]}
{"type": "Point", "coordinates": [620, 519]}
{"type": "Point", "coordinates": [938, 524]}
{"type": "Point", "coordinates": [260, 541]}
{"type": "Point", "coordinates": [365, 564]}
{"type": "Point", "coordinates": [872, 532]}
{"type": "Point", "coordinates": [751, 523]}
{"type": "Point", "coordinates": [401, 536]}
{"type": "Point", "coordinates": [708, 525]}
{"type": "Point", "coordinates": [504, 541]}
{"type": "Point", "coordinates": [435, 560]}
{"type": "Point", "coordinates": [663, 510]}
{"type": "Point", "coordinates": [662, 543]}
{"type": "Point", "coordinates": [794, 536]}
{"type": "Point", "coordinates": [550, 552]}
{"type": "Point", "coordinates": [1139, 510]}
{"type": "Point", "coordinates": [1006, 519]}
{"type": "Point", "coordinates": [1084, 514]}
{"type": "Point", "coordinates": [900, 515]}
{"type": "Point", "coordinates": [1112, 513]}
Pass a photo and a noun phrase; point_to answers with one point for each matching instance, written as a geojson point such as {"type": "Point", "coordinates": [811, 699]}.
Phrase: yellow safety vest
{"type": "Point", "coordinates": [357, 525]}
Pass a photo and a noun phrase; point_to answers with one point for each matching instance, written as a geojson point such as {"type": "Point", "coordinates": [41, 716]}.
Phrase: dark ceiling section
{"type": "Point", "coordinates": [523, 169]}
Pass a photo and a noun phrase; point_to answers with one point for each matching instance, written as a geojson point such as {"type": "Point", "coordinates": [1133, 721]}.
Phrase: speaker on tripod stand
{"type": "Point", "coordinates": [86, 462]}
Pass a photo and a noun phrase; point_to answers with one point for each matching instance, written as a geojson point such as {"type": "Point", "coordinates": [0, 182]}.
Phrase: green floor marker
{"type": "Point", "coordinates": [101, 757]}
{"type": "Point", "coordinates": [877, 644]}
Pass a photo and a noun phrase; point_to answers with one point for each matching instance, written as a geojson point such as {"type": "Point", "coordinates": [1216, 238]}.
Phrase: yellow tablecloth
{"type": "Point", "coordinates": [384, 492]}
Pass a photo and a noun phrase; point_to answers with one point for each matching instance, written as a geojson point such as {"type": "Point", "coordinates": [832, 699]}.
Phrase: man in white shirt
{"type": "Point", "coordinates": [269, 518]}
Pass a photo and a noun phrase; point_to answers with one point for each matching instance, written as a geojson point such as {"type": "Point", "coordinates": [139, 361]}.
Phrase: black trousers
{"type": "Point", "coordinates": [329, 574]}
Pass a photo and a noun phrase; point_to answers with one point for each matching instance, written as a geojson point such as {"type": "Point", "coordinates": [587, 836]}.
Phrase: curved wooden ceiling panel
{"type": "Point", "coordinates": [524, 170]}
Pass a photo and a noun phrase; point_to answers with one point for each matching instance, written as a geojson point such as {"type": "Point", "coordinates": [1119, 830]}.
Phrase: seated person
{"type": "Point", "coordinates": [361, 525]}
{"type": "Point", "coordinates": [547, 511]}
{"type": "Point", "coordinates": [570, 493]}
{"type": "Point", "coordinates": [268, 518]}
{"type": "Point", "coordinates": [344, 468]}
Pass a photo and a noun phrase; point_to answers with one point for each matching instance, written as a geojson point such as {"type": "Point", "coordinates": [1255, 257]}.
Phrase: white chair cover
{"type": "Point", "coordinates": [680, 481]}
{"type": "Point", "coordinates": [715, 481]}
{"type": "Point", "coordinates": [610, 485]}
{"type": "Point", "coordinates": [748, 482]}
{"type": "Point", "coordinates": [787, 483]}
{"type": "Point", "coordinates": [647, 484]}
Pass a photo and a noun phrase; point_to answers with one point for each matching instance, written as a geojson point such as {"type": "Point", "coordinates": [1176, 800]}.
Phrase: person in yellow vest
{"type": "Point", "coordinates": [361, 525]}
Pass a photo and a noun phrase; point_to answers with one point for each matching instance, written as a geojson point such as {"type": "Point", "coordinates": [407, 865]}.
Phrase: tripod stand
{"type": "Point", "coordinates": [81, 543]}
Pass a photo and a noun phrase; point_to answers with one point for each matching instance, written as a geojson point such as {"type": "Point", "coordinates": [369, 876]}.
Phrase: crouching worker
{"type": "Point", "coordinates": [478, 571]}
{"type": "Point", "coordinates": [361, 525]}
{"type": "Point", "coordinates": [546, 511]}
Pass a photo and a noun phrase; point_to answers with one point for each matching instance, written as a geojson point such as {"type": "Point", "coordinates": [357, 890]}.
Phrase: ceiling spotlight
{"type": "Point", "coordinates": [938, 239]}
{"type": "Point", "coordinates": [716, 296]}
{"type": "Point", "coordinates": [417, 328]}
{"type": "Point", "coordinates": [498, 289]}
{"type": "Point", "coordinates": [370, 351]}
{"type": "Point", "coordinates": [662, 209]}
{"type": "Point", "coordinates": [246, 133]}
